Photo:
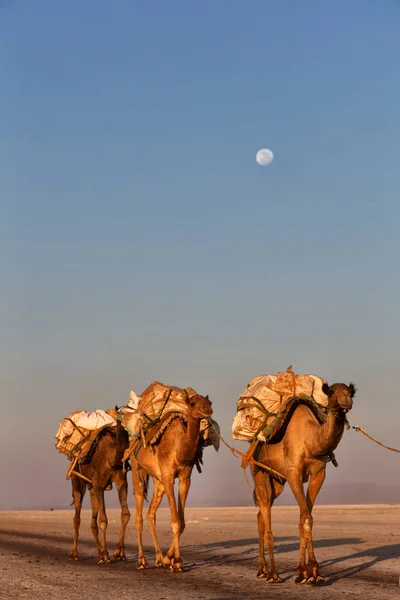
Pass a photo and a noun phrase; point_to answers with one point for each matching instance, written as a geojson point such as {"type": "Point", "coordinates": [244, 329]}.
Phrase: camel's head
{"type": "Point", "coordinates": [340, 396]}
{"type": "Point", "coordinates": [199, 406]}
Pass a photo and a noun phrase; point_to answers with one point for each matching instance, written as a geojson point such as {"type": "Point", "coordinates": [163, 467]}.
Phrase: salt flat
{"type": "Point", "coordinates": [358, 548]}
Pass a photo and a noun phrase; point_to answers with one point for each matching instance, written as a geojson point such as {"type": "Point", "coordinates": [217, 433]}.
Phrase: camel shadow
{"type": "Point", "coordinates": [57, 547]}
{"type": "Point", "coordinates": [220, 553]}
{"type": "Point", "coordinates": [279, 546]}
{"type": "Point", "coordinates": [213, 554]}
{"type": "Point", "coordinates": [376, 555]}
{"type": "Point", "coordinates": [236, 543]}
{"type": "Point", "coordinates": [324, 543]}
{"type": "Point", "coordinates": [204, 556]}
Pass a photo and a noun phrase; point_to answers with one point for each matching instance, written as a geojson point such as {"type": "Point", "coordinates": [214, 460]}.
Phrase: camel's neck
{"type": "Point", "coordinates": [330, 433]}
{"type": "Point", "coordinates": [191, 440]}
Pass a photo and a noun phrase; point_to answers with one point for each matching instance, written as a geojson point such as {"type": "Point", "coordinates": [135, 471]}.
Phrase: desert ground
{"type": "Point", "coordinates": [358, 548]}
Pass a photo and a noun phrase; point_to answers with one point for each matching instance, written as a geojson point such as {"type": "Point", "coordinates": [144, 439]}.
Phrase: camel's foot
{"type": "Point", "coordinates": [262, 572]}
{"type": "Point", "coordinates": [166, 561]}
{"type": "Point", "coordinates": [313, 572]}
{"type": "Point", "coordinates": [175, 565]}
{"type": "Point", "coordinates": [269, 576]}
{"type": "Point", "coordinates": [119, 554]}
{"type": "Point", "coordinates": [176, 568]}
{"type": "Point", "coordinates": [309, 574]}
{"type": "Point", "coordinates": [273, 578]}
{"type": "Point", "coordinates": [142, 563]}
{"type": "Point", "coordinates": [302, 574]}
{"type": "Point", "coordinates": [312, 580]}
{"type": "Point", "coordinates": [159, 560]}
{"type": "Point", "coordinates": [104, 559]}
{"type": "Point", "coordinates": [73, 555]}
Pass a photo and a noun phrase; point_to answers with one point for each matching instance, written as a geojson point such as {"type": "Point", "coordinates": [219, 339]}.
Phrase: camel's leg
{"type": "Point", "coordinates": [173, 558]}
{"type": "Point", "coordinates": [259, 493]}
{"type": "Point", "coordinates": [262, 565]}
{"type": "Point", "coordinates": [122, 487]}
{"type": "Point", "coordinates": [78, 492]}
{"type": "Point", "coordinates": [295, 481]}
{"type": "Point", "coordinates": [265, 498]}
{"type": "Point", "coordinates": [139, 480]}
{"type": "Point", "coordinates": [103, 554]}
{"type": "Point", "coordinates": [184, 487]}
{"type": "Point", "coordinates": [151, 518]}
{"type": "Point", "coordinates": [314, 487]}
{"type": "Point", "coordinates": [95, 513]}
{"type": "Point", "coordinates": [174, 551]}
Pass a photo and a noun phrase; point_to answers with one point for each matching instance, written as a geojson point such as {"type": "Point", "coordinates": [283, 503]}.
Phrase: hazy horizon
{"type": "Point", "coordinates": [141, 241]}
{"type": "Point", "coordinates": [330, 495]}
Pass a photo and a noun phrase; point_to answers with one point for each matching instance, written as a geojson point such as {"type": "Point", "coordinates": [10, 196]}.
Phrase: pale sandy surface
{"type": "Point", "coordinates": [358, 549]}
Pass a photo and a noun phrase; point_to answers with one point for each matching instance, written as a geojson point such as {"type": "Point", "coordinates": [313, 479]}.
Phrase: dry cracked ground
{"type": "Point", "coordinates": [358, 548]}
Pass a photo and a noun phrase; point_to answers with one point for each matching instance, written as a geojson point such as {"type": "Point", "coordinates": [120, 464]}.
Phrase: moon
{"type": "Point", "coordinates": [264, 157]}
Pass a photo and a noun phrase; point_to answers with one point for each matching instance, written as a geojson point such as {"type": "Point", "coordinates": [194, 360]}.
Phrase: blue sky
{"type": "Point", "coordinates": [140, 240]}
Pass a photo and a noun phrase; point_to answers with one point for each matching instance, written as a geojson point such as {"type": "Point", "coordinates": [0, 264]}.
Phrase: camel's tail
{"type": "Point", "coordinates": [255, 497]}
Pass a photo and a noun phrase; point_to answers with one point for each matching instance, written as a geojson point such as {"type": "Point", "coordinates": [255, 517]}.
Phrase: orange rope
{"type": "Point", "coordinates": [247, 458]}
{"type": "Point", "coordinates": [358, 428]}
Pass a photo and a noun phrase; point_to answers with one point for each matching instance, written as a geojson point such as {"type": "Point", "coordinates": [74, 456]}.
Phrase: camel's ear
{"type": "Point", "coordinates": [327, 390]}
{"type": "Point", "coordinates": [207, 398]}
{"type": "Point", "coordinates": [352, 389]}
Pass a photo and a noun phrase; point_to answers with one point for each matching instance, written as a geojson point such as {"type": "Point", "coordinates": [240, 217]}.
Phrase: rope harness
{"type": "Point", "coordinates": [248, 458]}
{"type": "Point", "coordinates": [74, 468]}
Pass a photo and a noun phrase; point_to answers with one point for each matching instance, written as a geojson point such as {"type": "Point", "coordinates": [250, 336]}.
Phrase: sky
{"type": "Point", "coordinates": [141, 241]}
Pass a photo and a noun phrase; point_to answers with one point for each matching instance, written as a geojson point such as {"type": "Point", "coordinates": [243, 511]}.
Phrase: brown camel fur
{"type": "Point", "coordinates": [105, 467]}
{"type": "Point", "coordinates": [300, 456]}
{"type": "Point", "coordinates": [174, 456]}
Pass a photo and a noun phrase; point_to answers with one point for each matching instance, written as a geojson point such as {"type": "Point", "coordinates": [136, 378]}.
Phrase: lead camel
{"type": "Point", "coordinates": [300, 456]}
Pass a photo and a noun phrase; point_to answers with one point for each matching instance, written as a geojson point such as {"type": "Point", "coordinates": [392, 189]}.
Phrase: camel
{"type": "Point", "coordinates": [301, 455]}
{"type": "Point", "coordinates": [104, 468]}
{"type": "Point", "coordinates": [174, 456]}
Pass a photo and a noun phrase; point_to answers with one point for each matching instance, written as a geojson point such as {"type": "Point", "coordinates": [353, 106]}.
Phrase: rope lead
{"type": "Point", "coordinates": [357, 427]}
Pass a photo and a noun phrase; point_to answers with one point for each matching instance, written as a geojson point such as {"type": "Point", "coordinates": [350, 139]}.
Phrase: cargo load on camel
{"type": "Point", "coordinates": [267, 404]}
{"type": "Point", "coordinates": [147, 416]}
{"type": "Point", "coordinates": [79, 433]}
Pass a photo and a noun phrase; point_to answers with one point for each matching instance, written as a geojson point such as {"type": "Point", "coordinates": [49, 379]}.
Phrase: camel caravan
{"type": "Point", "coordinates": [162, 433]}
{"type": "Point", "coordinates": [292, 422]}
